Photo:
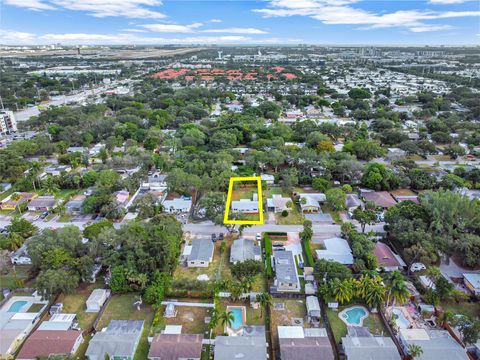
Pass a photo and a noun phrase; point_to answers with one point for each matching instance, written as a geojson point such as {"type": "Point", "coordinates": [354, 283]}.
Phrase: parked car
{"type": "Point", "coordinates": [214, 237]}
{"type": "Point", "coordinates": [44, 215]}
{"type": "Point", "coordinates": [258, 237]}
{"type": "Point", "coordinates": [417, 267]}
{"type": "Point", "coordinates": [220, 236]}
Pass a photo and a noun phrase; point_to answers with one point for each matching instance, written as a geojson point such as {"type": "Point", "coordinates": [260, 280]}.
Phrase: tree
{"type": "Point", "coordinates": [265, 299]}
{"type": "Point", "coordinates": [379, 177]}
{"type": "Point", "coordinates": [21, 227]}
{"type": "Point", "coordinates": [364, 217]}
{"type": "Point", "coordinates": [469, 328]}
{"type": "Point", "coordinates": [396, 287]}
{"type": "Point", "coordinates": [227, 318]}
{"type": "Point", "coordinates": [371, 290]}
{"type": "Point", "coordinates": [246, 269]}
{"type": "Point", "coordinates": [321, 184]}
{"type": "Point", "coordinates": [415, 350]}
{"type": "Point", "coordinates": [359, 93]}
{"type": "Point", "coordinates": [343, 290]}
{"type": "Point", "coordinates": [53, 282]}
{"type": "Point", "coordinates": [329, 269]}
{"type": "Point", "coordinates": [363, 149]}
{"type": "Point", "coordinates": [93, 230]}
{"type": "Point", "coordinates": [336, 198]}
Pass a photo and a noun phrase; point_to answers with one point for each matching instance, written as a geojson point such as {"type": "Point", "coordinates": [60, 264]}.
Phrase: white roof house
{"type": "Point", "coordinates": [245, 206]}
{"type": "Point", "coordinates": [180, 205]}
{"type": "Point", "coordinates": [336, 249]}
{"type": "Point", "coordinates": [96, 300]}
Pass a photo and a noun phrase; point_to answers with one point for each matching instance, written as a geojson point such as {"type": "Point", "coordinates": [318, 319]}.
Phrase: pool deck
{"type": "Point", "coordinates": [344, 311]}
{"type": "Point", "coordinates": [237, 332]}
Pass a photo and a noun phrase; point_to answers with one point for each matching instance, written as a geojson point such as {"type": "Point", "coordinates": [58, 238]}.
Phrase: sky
{"type": "Point", "coordinates": [235, 22]}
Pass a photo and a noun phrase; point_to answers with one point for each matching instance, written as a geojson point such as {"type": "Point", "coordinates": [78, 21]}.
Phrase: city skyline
{"type": "Point", "coordinates": [151, 22]}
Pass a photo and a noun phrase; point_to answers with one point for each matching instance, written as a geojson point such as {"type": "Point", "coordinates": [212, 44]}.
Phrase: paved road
{"type": "Point", "coordinates": [209, 228]}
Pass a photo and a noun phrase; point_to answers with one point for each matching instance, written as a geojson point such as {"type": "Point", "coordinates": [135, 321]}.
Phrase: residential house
{"type": "Point", "coordinates": [472, 282]}
{"type": "Point", "coordinates": [381, 199]}
{"type": "Point", "coordinates": [177, 206]}
{"type": "Point", "coordinates": [286, 276]}
{"type": "Point", "coordinates": [201, 253]}
{"type": "Point", "coordinates": [336, 249]}
{"type": "Point", "coordinates": [310, 202]}
{"type": "Point", "coordinates": [45, 343]}
{"type": "Point", "coordinates": [121, 197]}
{"type": "Point", "coordinates": [20, 256]}
{"type": "Point", "coordinates": [95, 150]}
{"type": "Point", "coordinates": [74, 206]}
{"type": "Point", "coordinates": [57, 170]}
{"type": "Point", "coordinates": [156, 182]}
{"type": "Point", "coordinates": [277, 203]}
{"type": "Point", "coordinates": [16, 199]}
{"type": "Point", "coordinates": [404, 195]}
{"type": "Point", "coordinates": [359, 344]}
{"type": "Point", "coordinates": [268, 178]}
{"type": "Point", "coordinates": [16, 322]}
{"type": "Point", "coordinates": [435, 344]}
{"type": "Point", "coordinates": [74, 149]}
{"type": "Point", "coordinates": [246, 206]}
{"type": "Point", "coordinates": [97, 298]}
{"type": "Point", "coordinates": [244, 249]}
{"type": "Point", "coordinates": [297, 343]}
{"type": "Point", "coordinates": [42, 203]}
{"type": "Point", "coordinates": [59, 322]}
{"type": "Point", "coordinates": [313, 309]}
{"type": "Point", "coordinates": [240, 347]}
{"type": "Point", "coordinates": [353, 202]}
{"type": "Point", "coordinates": [176, 347]}
{"type": "Point", "coordinates": [386, 258]}
{"type": "Point", "coordinates": [119, 340]}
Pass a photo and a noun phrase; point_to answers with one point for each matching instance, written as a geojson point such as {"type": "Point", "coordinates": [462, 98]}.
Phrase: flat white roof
{"type": "Point", "coordinates": [290, 332]}
{"type": "Point", "coordinates": [414, 334]}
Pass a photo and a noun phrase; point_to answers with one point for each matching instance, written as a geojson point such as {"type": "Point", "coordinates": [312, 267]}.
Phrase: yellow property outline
{"type": "Point", "coordinates": [229, 201]}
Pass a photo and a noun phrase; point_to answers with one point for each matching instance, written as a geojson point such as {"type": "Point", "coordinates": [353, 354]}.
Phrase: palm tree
{"type": "Point", "coordinates": [50, 186]}
{"type": "Point", "coordinates": [415, 350]}
{"type": "Point", "coordinates": [213, 320]}
{"type": "Point", "coordinates": [343, 290]}
{"type": "Point", "coordinates": [264, 299]}
{"type": "Point", "coordinates": [33, 172]}
{"type": "Point", "coordinates": [397, 287]}
{"type": "Point", "coordinates": [375, 293]}
{"type": "Point", "coordinates": [227, 318]}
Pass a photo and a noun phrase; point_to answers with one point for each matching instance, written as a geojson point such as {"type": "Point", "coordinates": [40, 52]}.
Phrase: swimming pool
{"type": "Point", "coordinates": [354, 316]}
{"type": "Point", "coordinates": [16, 306]}
{"type": "Point", "coordinates": [401, 320]}
{"type": "Point", "coordinates": [237, 313]}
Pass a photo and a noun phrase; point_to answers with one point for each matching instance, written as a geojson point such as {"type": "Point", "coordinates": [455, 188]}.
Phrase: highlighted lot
{"type": "Point", "coordinates": [244, 207]}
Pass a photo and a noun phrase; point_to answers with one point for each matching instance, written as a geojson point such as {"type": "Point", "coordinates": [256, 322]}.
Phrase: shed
{"type": "Point", "coordinates": [313, 309]}
{"type": "Point", "coordinates": [96, 300]}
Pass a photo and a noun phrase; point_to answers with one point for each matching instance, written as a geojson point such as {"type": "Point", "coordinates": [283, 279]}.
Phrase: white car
{"type": "Point", "coordinates": [417, 267]}
{"type": "Point", "coordinates": [258, 237]}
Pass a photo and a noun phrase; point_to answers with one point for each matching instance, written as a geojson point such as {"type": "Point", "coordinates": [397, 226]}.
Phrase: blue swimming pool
{"type": "Point", "coordinates": [16, 306]}
{"type": "Point", "coordinates": [401, 320]}
{"type": "Point", "coordinates": [354, 316]}
{"type": "Point", "coordinates": [237, 317]}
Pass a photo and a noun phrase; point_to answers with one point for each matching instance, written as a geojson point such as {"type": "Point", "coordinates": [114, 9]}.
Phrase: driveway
{"type": "Point", "coordinates": [452, 270]}
{"type": "Point", "coordinates": [319, 218]}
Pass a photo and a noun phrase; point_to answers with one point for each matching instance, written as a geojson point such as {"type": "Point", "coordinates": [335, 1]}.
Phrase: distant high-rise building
{"type": "Point", "coordinates": [220, 55]}
{"type": "Point", "coordinates": [8, 124]}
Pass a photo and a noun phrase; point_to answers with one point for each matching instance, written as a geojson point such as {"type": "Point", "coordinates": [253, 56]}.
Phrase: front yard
{"type": "Point", "coordinates": [295, 217]}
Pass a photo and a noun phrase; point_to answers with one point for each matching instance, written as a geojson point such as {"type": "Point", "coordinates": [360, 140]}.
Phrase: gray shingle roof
{"type": "Point", "coordinates": [285, 270]}
{"type": "Point", "coordinates": [240, 347]}
{"type": "Point", "coordinates": [201, 250]}
{"type": "Point", "coordinates": [370, 348]}
{"type": "Point", "coordinates": [243, 249]}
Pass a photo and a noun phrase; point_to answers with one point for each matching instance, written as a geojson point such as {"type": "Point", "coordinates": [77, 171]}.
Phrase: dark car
{"type": "Point", "coordinates": [220, 236]}
{"type": "Point", "coordinates": [214, 237]}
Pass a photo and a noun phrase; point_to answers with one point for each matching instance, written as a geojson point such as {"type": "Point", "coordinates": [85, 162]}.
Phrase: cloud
{"type": "Point", "coordinates": [11, 37]}
{"type": "Point", "coordinates": [37, 5]}
{"type": "Point", "coordinates": [15, 37]}
{"type": "Point", "coordinates": [236, 31]}
{"type": "Point", "coordinates": [135, 30]}
{"type": "Point", "coordinates": [172, 28]}
{"type": "Point", "coordinates": [339, 13]}
{"type": "Point", "coordinates": [215, 21]}
{"type": "Point", "coordinates": [96, 8]}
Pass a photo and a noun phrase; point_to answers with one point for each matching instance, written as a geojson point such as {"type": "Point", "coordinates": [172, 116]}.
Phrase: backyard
{"type": "Point", "coordinates": [15, 278]}
{"type": "Point", "coordinates": [373, 322]}
{"type": "Point", "coordinates": [120, 307]}
{"type": "Point", "coordinates": [286, 312]}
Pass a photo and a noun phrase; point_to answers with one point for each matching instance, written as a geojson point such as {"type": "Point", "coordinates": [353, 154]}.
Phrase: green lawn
{"type": "Point", "coordinates": [75, 303]}
{"type": "Point", "coordinates": [373, 322]}
{"type": "Point", "coordinates": [333, 213]}
{"type": "Point", "coordinates": [471, 309]}
{"type": "Point", "coordinates": [14, 279]}
{"type": "Point", "coordinates": [6, 193]}
{"type": "Point", "coordinates": [295, 217]}
{"type": "Point", "coordinates": [65, 218]}
{"type": "Point", "coordinates": [120, 307]}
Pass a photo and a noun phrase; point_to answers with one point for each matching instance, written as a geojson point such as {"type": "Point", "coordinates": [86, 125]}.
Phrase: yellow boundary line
{"type": "Point", "coordinates": [229, 201]}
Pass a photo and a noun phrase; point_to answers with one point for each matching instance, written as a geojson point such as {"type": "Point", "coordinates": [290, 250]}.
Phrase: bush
{"type": "Point", "coordinates": [284, 213]}
{"type": "Point", "coordinates": [267, 245]}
